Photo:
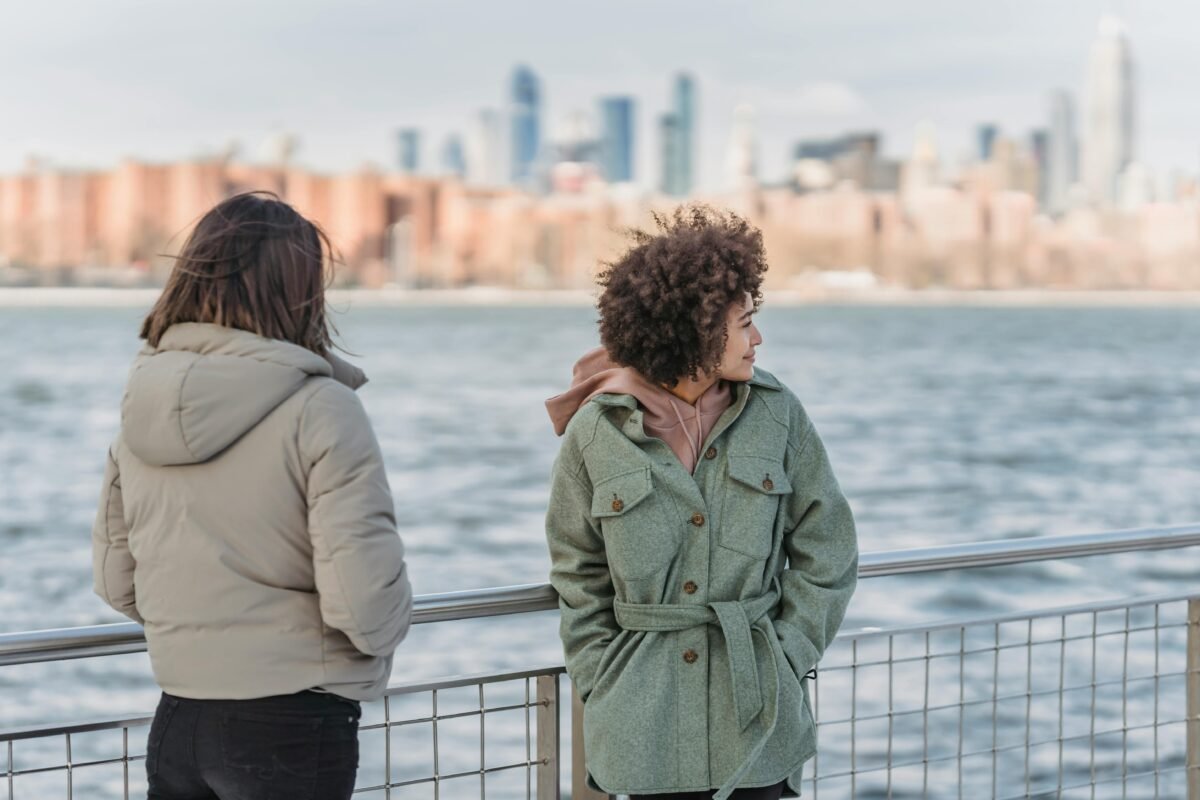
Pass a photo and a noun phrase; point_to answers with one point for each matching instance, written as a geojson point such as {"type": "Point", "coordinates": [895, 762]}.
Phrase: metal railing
{"type": "Point", "coordinates": [126, 637]}
{"type": "Point", "coordinates": [982, 727]}
{"type": "Point", "coordinates": [515, 714]}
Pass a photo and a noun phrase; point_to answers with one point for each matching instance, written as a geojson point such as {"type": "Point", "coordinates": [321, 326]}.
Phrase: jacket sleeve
{"type": "Point", "coordinates": [112, 563]}
{"type": "Point", "coordinates": [822, 552]}
{"type": "Point", "coordinates": [358, 558]}
{"type": "Point", "coordinates": [579, 573]}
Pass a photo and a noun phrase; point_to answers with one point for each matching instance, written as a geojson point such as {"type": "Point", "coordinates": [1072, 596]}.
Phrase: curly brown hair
{"type": "Point", "coordinates": [665, 299]}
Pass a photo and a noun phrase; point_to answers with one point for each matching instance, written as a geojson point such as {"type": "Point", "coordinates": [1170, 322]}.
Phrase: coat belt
{"type": "Point", "coordinates": [736, 619]}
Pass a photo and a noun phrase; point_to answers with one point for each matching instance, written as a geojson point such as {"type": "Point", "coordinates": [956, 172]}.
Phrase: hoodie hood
{"type": "Point", "coordinates": [683, 426]}
{"type": "Point", "coordinates": [205, 386]}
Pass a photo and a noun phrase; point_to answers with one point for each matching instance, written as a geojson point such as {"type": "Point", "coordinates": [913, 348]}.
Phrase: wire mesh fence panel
{"type": "Point", "coordinates": [1085, 701]}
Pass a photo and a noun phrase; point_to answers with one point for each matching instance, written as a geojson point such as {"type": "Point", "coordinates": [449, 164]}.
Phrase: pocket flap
{"type": "Point", "coordinates": [617, 494]}
{"type": "Point", "coordinates": [762, 474]}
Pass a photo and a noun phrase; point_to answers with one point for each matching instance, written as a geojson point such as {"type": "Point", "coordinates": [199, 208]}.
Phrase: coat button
{"type": "Point", "coordinates": [768, 484]}
{"type": "Point", "coordinates": [697, 519]}
{"type": "Point", "coordinates": [690, 587]}
{"type": "Point", "coordinates": [710, 453]}
{"type": "Point", "coordinates": [690, 656]}
{"type": "Point", "coordinates": [617, 504]}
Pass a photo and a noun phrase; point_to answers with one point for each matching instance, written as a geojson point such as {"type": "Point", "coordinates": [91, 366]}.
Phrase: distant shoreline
{"type": "Point", "coordinates": [343, 299]}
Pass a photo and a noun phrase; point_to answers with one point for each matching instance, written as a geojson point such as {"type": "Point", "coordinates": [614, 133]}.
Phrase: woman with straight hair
{"type": "Point", "coordinates": [701, 548]}
{"type": "Point", "coordinates": [246, 520]}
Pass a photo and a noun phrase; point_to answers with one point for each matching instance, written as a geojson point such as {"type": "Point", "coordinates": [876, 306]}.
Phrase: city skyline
{"type": "Point", "coordinates": [824, 77]}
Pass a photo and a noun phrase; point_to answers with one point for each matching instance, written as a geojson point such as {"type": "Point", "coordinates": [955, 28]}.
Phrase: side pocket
{"type": "Point", "coordinates": [158, 730]}
{"type": "Point", "coordinates": [614, 655]}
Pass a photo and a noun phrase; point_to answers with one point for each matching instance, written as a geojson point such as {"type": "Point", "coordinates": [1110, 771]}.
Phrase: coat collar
{"type": "Point", "coordinates": [760, 378]}
{"type": "Point", "coordinates": [765, 380]}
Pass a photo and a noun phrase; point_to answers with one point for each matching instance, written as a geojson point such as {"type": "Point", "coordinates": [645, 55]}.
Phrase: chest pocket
{"type": "Point", "coordinates": [752, 497]}
{"type": "Point", "coordinates": [638, 534]}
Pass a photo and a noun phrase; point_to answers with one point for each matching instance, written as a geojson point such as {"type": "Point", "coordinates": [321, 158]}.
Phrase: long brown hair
{"type": "Point", "coordinates": [252, 263]}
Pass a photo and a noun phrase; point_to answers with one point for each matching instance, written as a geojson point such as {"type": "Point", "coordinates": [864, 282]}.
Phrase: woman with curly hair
{"type": "Point", "coordinates": [702, 550]}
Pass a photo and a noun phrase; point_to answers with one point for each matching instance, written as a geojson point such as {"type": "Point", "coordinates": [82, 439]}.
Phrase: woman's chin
{"type": "Point", "coordinates": [743, 373]}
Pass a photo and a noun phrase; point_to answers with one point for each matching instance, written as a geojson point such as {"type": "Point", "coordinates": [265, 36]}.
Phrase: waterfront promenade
{"type": "Point", "coordinates": [1092, 700]}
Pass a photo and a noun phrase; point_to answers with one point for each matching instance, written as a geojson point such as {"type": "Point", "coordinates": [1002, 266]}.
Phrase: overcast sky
{"type": "Point", "coordinates": [86, 83]}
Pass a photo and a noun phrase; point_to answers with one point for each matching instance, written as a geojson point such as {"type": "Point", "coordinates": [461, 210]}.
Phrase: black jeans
{"type": "Point", "coordinates": [758, 793]}
{"type": "Point", "coordinates": [297, 746]}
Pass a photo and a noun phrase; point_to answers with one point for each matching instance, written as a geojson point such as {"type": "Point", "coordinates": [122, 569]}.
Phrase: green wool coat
{"type": "Point", "coordinates": [694, 605]}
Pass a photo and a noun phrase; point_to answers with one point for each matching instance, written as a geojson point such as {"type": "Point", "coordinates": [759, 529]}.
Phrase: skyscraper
{"type": "Point", "coordinates": [1062, 152]}
{"type": "Point", "coordinates": [410, 151]}
{"type": "Point", "coordinates": [1108, 128]}
{"type": "Point", "coordinates": [668, 133]}
{"type": "Point", "coordinates": [1039, 148]}
{"type": "Point", "coordinates": [616, 139]}
{"type": "Point", "coordinates": [683, 97]}
{"type": "Point", "coordinates": [741, 160]}
{"type": "Point", "coordinates": [922, 170]}
{"type": "Point", "coordinates": [986, 137]}
{"type": "Point", "coordinates": [454, 160]}
{"type": "Point", "coordinates": [485, 149]}
{"type": "Point", "coordinates": [525, 114]}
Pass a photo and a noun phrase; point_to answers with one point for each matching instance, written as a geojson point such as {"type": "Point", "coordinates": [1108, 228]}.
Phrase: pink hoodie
{"type": "Point", "coordinates": [682, 426]}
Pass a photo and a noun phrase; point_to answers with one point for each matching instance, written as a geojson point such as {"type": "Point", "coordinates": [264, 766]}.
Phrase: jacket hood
{"type": "Point", "coordinates": [681, 425]}
{"type": "Point", "coordinates": [205, 386]}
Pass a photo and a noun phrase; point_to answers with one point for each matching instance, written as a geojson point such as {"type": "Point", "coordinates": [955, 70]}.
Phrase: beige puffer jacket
{"type": "Point", "coordinates": [246, 521]}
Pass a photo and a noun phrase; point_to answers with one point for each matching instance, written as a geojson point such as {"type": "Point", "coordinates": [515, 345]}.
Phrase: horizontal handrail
{"type": "Point", "coordinates": [104, 640]}
{"type": "Point", "coordinates": [1027, 615]}
{"type": "Point", "coordinates": [1007, 552]}
{"type": "Point", "coordinates": [59, 644]}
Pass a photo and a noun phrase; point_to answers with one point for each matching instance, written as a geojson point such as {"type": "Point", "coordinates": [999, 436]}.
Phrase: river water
{"type": "Point", "coordinates": [944, 425]}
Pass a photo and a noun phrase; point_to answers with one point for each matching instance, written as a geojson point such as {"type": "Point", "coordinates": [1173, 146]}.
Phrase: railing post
{"type": "Point", "coordinates": [579, 785]}
{"type": "Point", "coordinates": [548, 783]}
{"type": "Point", "coordinates": [1193, 700]}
